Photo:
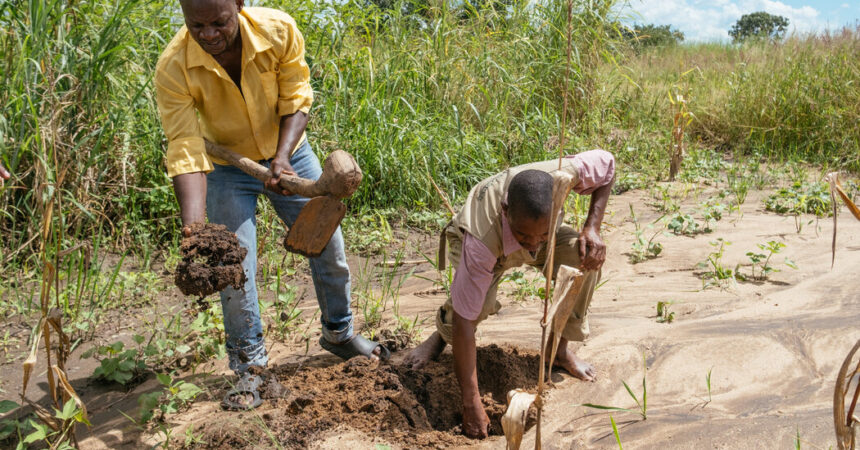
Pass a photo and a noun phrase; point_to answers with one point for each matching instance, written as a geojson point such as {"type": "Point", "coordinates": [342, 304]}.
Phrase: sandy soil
{"type": "Point", "coordinates": [773, 347]}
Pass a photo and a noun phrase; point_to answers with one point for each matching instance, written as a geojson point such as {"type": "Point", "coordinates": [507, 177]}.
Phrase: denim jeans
{"type": "Point", "coordinates": [231, 200]}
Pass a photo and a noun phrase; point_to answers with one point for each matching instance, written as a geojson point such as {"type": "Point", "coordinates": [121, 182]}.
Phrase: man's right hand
{"type": "Point", "coordinates": [476, 423]}
{"type": "Point", "coordinates": [280, 166]}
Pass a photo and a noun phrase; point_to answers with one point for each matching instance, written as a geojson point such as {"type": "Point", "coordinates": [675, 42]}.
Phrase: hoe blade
{"type": "Point", "coordinates": [312, 230]}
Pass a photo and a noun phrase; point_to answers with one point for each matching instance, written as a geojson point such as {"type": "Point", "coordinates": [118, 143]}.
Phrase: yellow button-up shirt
{"type": "Point", "coordinates": [197, 99]}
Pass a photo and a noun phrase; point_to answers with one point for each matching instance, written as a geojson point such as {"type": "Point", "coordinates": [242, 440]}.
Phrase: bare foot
{"type": "Point", "coordinates": [574, 365]}
{"type": "Point", "coordinates": [428, 350]}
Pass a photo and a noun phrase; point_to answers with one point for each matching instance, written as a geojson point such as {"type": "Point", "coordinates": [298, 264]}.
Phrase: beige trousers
{"type": "Point", "coordinates": [566, 253]}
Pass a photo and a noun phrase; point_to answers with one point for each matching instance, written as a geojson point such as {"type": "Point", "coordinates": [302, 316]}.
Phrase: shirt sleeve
{"type": "Point", "coordinates": [596, 169]}
{"type": "Point", "coordinates": [186, 150]}
{"type": "Point", "coordinates": [473, 278]}
{"type": "Point", "coordinates": [294, 87]}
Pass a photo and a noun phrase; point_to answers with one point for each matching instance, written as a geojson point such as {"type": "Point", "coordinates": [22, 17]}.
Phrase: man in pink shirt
{"type": "Point", "coordinates": [504, 224]}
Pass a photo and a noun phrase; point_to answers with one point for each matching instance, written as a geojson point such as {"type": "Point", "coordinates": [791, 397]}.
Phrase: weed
{"type": "Point", "coordinates": [762, 260]}
{"type": "Point", "coordinates": [666, 202]}
{"type": "Point", "coordinates": [684, 224]}
{"type": "Point", "coordinates": [708, 383]}
{"type": "Point", "coordinates": [615, 432]}
{"type": "Point", "coordinates": [175, 396]}
{"type": "Point", "coordinates": [801, 198]}
{"type": "Point", "coordinates": [663, 313]}
{"type": "Point", "coordinates": [641, 404]}
{"type": "Point", "coordinates": [369, 233]}
{"type": "Point", "coordinates": [56, 437]}
{"type": "Point", "coordinates": [284, 314]}
{"type": "Point", "coordinates": [373, 303]}
{"type": "Point", "coordinates": [717, 273]}
{"type": "Point", "coordinates": [642, 248]}
{"type": "Point", "coordinates": [525, 289]}
{"type": "Point", "coordinates": [12, 427]}
{"type": "Point", "coordinates": [118, 364]}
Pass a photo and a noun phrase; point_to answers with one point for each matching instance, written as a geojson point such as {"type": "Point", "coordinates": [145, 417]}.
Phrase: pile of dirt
{"type": "Point", "coordinates": [211, 261]}
{"type": "Point", "coordinates": [415, 409]}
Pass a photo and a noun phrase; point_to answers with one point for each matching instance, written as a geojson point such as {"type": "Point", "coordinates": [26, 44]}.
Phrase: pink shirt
{"type": "Point", "coordinates": [474, 274]}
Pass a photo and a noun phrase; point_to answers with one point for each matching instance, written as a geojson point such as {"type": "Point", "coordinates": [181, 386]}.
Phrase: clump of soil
{"type": "Point", "coordinates": [416, 409]}
{"type": "Point", "coordinates": [211, 261]}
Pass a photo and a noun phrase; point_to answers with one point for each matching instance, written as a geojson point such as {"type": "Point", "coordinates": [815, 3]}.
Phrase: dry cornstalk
{"type": "Point", "coordinates": [846, 422]}
{"type": "Point", "coordinates": [52, 318]}
{"type": "Point", "coordinates": [836, 188]}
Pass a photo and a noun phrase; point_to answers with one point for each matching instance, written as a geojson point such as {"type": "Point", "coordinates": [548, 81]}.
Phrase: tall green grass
{"type": "Point", "coordinates": [795, 99]}
{"type": "Point", "coordinates": [454, 91]}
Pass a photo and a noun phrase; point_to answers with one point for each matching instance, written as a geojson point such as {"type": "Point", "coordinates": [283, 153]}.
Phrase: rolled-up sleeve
{"type": "Point", "coordinates": [473, 278]}
{"type": "Point", "coordinates": [294, 87]}
{"type": "Point", "coordinates": [186, 150]}
{"type": "Point", "coordinates": [596, 169]}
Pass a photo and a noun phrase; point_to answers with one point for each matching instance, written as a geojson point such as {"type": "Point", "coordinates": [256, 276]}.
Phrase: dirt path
{"type": "Point", "coordinates": [773, 348]}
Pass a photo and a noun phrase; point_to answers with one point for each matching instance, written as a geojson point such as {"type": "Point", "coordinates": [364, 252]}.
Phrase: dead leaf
{"type": "Point", "coordinates": [514, 420]}
{"type": "Point", "coordinates": [568, 282]}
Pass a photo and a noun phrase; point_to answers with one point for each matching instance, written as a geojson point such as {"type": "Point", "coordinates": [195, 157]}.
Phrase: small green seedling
{"type": "Point", "coordinates": [643, 404]}
{"type": "Point", "coordinates": [116, 363]}
{"type": "Point", "coordinates": [176, 395]}
{"type": "Point", "coordinates": [708, 383]}
{"type": "Point", "coordinates": [717, 273]}
{"type": "Point", "coordinates": [615, 432]}
{"type": "Point", "coordinates": [644, 248]}
{"type": "Point", "coordinates": [663, 313]}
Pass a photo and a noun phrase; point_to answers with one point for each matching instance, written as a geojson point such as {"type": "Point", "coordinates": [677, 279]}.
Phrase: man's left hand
{"type": "Point", "coordinates": [280, 166]}
{"type": "Point", "coordinates": [592, 251]}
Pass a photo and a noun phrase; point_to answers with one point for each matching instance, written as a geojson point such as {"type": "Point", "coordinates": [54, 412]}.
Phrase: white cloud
{"type": "Point", "coordinates": [702, 20]}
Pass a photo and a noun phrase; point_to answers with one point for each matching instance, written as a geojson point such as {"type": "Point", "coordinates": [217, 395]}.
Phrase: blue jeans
{"type": "Point", "coordinates": [231, 200]}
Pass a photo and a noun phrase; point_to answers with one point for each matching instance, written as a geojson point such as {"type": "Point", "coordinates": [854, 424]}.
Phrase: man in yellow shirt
{"type": "Point", "coordinates": [237, 76]}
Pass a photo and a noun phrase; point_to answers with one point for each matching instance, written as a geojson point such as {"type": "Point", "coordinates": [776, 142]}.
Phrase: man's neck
{"type": "Point", "coordinates": [232, 55]}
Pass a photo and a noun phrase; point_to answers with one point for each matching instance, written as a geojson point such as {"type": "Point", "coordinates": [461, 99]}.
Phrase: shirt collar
{"type": "Point", "coordinates": [252, 43]}
{"type": "Point", "coordinates": [509, 242]}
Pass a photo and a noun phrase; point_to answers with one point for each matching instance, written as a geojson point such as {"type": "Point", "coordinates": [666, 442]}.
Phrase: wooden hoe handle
{"type": "Point", "coordinates": [340, 178]}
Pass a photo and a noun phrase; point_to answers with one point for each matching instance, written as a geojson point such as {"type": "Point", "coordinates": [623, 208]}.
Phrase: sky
{"type": "Point", "coordinates": [710, 20]}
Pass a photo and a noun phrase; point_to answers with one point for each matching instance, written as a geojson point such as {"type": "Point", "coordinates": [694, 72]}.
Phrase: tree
{"type": "Point", "coordinates": [653, 35]}
{"type": "Point", "coordinates": [759, 25]}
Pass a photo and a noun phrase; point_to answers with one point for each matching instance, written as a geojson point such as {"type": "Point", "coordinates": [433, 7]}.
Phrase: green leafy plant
{"type": "Point", "coordinates": [118, 364]}
{"type": "Point", "coordinates": [58, 435]}
{"type": "Point", "coordinates": [717, 273]}
{"type": "Point", "coordinates": [800, 198]}
{"type": "Point", "coordinates": [684, 224]}
{"type": "Point", "coordinates": [175, 396]}
{"type": "Point", "coordinates": [12, 427]}
{"type": "Point", "coordinates": [663, 313]}
{"type": "Point", "coordinates": [525, 289]}
{"type": "Point", "coordinates": [284, 313]}
{"type": "Point", "coordinates": [643, 248]}
{"type": "Point", "coordinates": [762, 260]}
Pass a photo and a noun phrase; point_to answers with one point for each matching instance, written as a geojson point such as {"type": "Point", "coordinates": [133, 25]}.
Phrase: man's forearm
{"type": "Point", "coordinates": [463, 347]}
{"type": "Point", "coordinates": [599, 199]}
{"type": "Point", "coordinates": [291, 129]}
{"type": "Point", "coordinates": [190, 191]}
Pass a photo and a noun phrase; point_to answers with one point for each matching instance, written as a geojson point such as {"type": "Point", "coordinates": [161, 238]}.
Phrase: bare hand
{"type": "Point", "coordinates": [592, 251]}
{"type": "Point", "coordinates": [280, 166]}
{"type": "Point", "coordinates": [4, 174]}
{"type": "Point", "coordinates": [475, 421]}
